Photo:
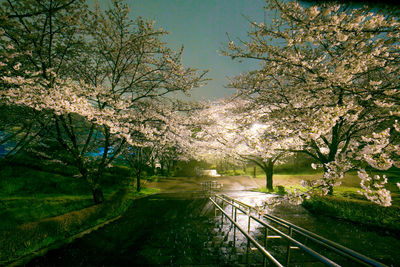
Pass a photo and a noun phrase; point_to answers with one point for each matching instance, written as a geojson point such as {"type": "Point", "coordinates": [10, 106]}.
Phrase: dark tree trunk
{"type": "Point", "coordinates": [98, 196]}
{"type": "Point", "coordinates": [330, 192]}
{"type": "Point", "coordinates": [138, 184]}
{"type": "Point", "coordinates": [162, 168]}
{"type": "Point", "coordinates": [97, 193]}
{"type": "Point", "coordinates": [269, 172]}
{"type": "Point", "coordinates": [152, 169]}
{"type": "Point", "coordinates": [168, 164]}
{"type": "Point", "coordinates": [268, 168]}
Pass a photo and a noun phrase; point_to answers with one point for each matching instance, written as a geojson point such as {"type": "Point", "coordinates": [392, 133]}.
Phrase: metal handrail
{"type": "Point", "coordinates": [241, 203]}
{"type": "Point", "coordinates": [210, 185]}
{"type": "Point", "coordinates": [333, 246]}
{"type": "Point", "coordinates": [306, 249]}
{"type": "Point", "coordinates": [342, 250]}
{"type": "Point", "coordinates": [251, 239]}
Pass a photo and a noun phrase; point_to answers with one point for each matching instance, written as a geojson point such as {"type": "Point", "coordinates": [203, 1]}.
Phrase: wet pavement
{"type": "Point", "coordinates": [180, 229]}
{"type": "Point", "coordinates": [378, 244]}
{"type": "Point", "coordinates": [161, 230]}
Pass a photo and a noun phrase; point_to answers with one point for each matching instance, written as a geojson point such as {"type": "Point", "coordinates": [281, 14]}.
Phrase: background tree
{"type": "Point", "coordinates": [230, 130]}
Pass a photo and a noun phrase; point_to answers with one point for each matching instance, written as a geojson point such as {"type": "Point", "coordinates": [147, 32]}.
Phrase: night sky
{"type": "Point", "coordinates": [202, 27]}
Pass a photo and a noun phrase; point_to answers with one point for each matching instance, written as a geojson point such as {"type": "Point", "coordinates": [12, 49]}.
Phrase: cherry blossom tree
{"type": "Point", "coordinates": [230, 130]}
{"type": "Point", "coordinates": [115, 80]}
{"type": "Point", "coordinates": [168, 139]}
{"type": "Point", "coordinates": [37, 39]}
{"type": "Point", "coordinates": [329, 76]}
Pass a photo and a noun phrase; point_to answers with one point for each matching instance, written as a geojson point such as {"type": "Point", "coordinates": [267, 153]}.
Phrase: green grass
{"type": "Point", "coordinates": [17, 180]}
{"type": "Point", "coordinates": [31, 194]}
{"type": "Point", "coordinates": [58, 218]}
{"type": "Point", "coordinates": [277, 189]}
{"type": "Point", "coordinates": [346, 202]}
{"type": "Point", "coordinates": [143, 192]}
{"type": "Point", "coordinates": [356, 210]}
{"type": "Point", "coordinates": [22, 210]}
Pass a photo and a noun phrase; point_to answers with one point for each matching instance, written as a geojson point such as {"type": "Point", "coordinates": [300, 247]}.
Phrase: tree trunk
{"type": "Point", "coordinates": [162, 168]}
{"type": "Point", "coordinates": [98, 196]}
{"type": "Point", "coordinates": [269, 172]}
{"type": "Point", "coordinates": [330, 186]}
{"type": "Point", "coordinates": [152, 170]}
{"type": "Point", "coordinates": [97, 193]}
{"type": "Point", "coordinates": [330, 192]}
{"type": "Point", "coordinates": [92, 179]}
{"type": "Point", "coordinates": [168, 164]}
{"type": "Point", "coordinates": [138, 184]}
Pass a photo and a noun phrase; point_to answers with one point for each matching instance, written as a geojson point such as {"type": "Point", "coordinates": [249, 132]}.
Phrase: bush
{"type": "Point", "coordinates": [277, 189]}
{"type": "Point", "coordinates": [280, 190]}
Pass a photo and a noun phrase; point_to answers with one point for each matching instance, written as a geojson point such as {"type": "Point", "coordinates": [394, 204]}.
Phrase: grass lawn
{"type": "Point", "coordinates": [346, 202]}
{"type": "Point", "coordinates": [39, 207]}
{"type": "Point", "coordinates": [28, 194]}
{"type": "Point", "coordinates": [349, 186]}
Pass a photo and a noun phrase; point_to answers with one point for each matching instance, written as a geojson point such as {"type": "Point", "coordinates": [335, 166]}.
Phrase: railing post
{"type": "Point", "coordinates": [222, 223]}
{"type": "Point", "coordinates": [222, 220]}
{"type": "Point", "coordinates": [215, 208]}
{"type": "Point", "coordinates": [248, 241]}
{"type": "Point", "coordinates": [234, 229]}
{"type": "Point", "coordinates": [248, 224]}
{"type": "Point", "coordinates": [265, 245]}
{"type": "Point", "coordinates": [247, 252]}
{"type": "Point", "coordinates": [288, 247]}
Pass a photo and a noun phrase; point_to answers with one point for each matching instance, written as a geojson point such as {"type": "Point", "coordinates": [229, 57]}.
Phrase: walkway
{"type": "Point", "coordinates": [162, 230]}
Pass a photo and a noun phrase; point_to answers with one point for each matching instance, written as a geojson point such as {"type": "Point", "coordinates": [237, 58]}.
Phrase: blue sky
{"type": "Point", "coordinates": [201, 26]}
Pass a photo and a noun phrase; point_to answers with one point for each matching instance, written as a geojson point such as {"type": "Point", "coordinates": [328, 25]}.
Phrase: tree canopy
{"type": "Point", "coordinates": [329, 78]}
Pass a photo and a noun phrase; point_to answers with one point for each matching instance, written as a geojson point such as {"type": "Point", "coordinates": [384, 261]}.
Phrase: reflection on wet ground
{"type": "Point", "coordinates": [180, 229]}
{"type": "Point", "coordinates": [161, 230]}
{"type": "Point", "coordinates": [377, 244]}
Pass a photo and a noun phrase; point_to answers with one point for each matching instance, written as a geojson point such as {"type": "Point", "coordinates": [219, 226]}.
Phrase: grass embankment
{"type": "Point", "coordinates": [360, 211]}
{"type": "Point", "coordinates": [346, 203]}
{"type": "Point", "coordinates": [39, 208]}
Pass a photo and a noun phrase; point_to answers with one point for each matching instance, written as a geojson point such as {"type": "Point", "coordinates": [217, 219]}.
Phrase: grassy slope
{"type": "Point", "coordinates": [33, 198]}
{"type": "Point", "coordinates": [346, 202]}
{"type": "Point", "coordinates": [28, 194]}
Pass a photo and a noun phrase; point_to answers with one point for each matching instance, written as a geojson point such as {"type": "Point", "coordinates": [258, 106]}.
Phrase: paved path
{"type": "Point", "coordinates": [182, 184]}
{"type": "Point", "coordinates": [161, 230]}
{"type": "Point", "coordinates": [179, 229]}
